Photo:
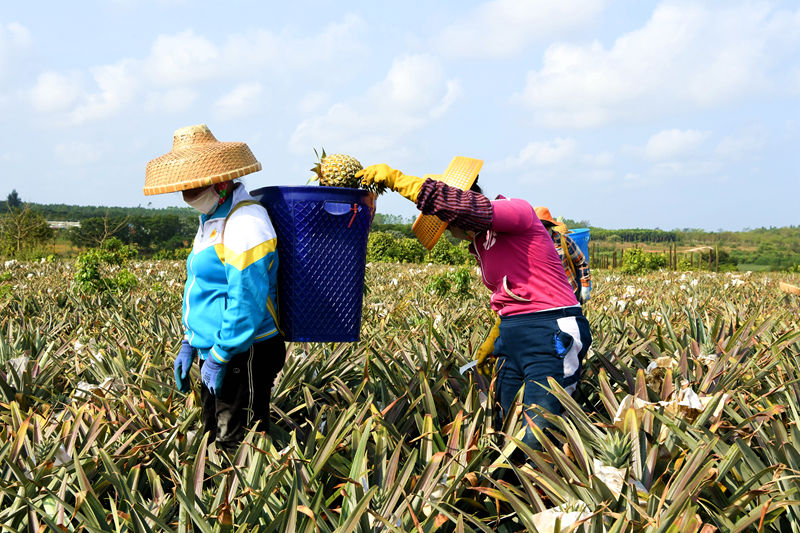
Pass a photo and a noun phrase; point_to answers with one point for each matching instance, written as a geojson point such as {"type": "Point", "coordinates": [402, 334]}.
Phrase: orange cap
{"type": "Point", "coordinates": [544, 215]}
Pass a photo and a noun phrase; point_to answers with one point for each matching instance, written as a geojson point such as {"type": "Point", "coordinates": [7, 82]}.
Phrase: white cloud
{"type": "Point", "coordinates": [683, 169]}
{"type": "Point", "coordinates": [243, 100]}
{"type": "Point", "coordinates": [313, 102]}
{"type": "Point", "coordinates": [415, 84]}
{"type": "Point", "coordinates": [501, 28]}
{"type": "Point", "coordinates": [54, 92]}
{"type": "Point", "coordinates": [77, 153]}
{"type": "Point", "coordinates": [16, 35]}
{"type": "Point", "coordinates": [669, 144]}
{"type": "Point", "coordinates": [600, 159]}
{"type": "Point", "coordinates": [414, 92]}
{"type": "Point", "coordinates": [184, 58]}
{"type": "Point", "coordinates": [117, 84]}
{"type": "Point", "coordinates": [742, 144]}
{"type": "Point", "coordinates": [179, 67]}
{"type": "Point", "coordinates": [686, 55]}
{"type": "Point", "coordinates": [453, 93]}
{"type": "Point", "coordinates": [171, 100]}
{"type": "Point", "coordinates": [349, 128]}
{"type": "Point", "coordinates": [187, 58]}
{"type": "Point", "coordinates": [542, 153]}
{"type": "Point", "coordinates": [15, 41]}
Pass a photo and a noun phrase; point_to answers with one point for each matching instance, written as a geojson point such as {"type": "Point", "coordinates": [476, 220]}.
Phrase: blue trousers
{"type": "Point", "coordinates": [533, 347]}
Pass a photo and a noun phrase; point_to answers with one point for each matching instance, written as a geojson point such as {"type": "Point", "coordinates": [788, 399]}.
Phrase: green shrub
{"type": "Point", "coordinates": [457, 283]}
{"type": "Point", "coordinates": [381, 246]}
{"type": "Point", "coordinates": [409, 251]}
{"type": "Point", "coordinates": [177, 254]}
{"type": "Point", "coordinates": [125, 280]}
{"type": "Point", "coordinates": [386, 246]}
{"type": "Point", "coordinates": [439, 285]}
{"type": "Point", "coordinates": [447, 253]}
{"type": "Point", "coordinates": [462, 281]}
{"type": "Point", "coordinates": [115, 252]}
{"type": "Point", "coordinates": [91, 268]}
{"type": "Point", "coordinates": [636, 261]}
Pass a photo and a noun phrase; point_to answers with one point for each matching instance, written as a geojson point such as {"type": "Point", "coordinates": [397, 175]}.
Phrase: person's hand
{"type": "Point", "coordinates": [585, 294]}
{"type": "Point", "coordinates": [213, 372]}
{"type": "Point", "coordinates": [485, 354]}
{"type": "Point", "coordinates": [183, 364]}
{"type": "Point", "coordinates": [383, 174]}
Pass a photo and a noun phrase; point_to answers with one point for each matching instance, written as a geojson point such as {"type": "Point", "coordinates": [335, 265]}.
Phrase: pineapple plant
{"type": "Point", "coordinates": [385, 434]}
{"type": "Point", "coordinates": [615, 449]}
{"type": "Point", "coordinates": [339, 170]}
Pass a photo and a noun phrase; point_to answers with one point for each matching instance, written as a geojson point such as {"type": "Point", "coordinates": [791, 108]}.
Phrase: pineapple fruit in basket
{"type": "Point", "coordinates": [339, 170]}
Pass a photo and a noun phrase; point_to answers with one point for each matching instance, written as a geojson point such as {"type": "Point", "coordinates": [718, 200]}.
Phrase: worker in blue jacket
{"type": "Point", "coordinates": [229, 312]}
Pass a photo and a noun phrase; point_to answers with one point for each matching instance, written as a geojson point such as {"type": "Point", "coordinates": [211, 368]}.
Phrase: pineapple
{"type": "Point", "coordinates": [339, 170]}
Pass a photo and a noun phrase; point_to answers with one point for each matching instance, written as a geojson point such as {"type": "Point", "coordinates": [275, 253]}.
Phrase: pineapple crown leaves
{"type": "Point", "coordinates": [615, 449]}
{"type": "Point", "coordinates": [317, 168]}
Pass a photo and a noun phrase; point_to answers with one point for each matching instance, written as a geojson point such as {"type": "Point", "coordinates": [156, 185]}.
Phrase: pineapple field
{"type": "Point", "coordinates": [686, 417]}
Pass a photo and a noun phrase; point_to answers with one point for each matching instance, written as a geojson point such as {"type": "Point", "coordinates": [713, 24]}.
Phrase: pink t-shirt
{"type": "Point", "coordinates": [519, 262]}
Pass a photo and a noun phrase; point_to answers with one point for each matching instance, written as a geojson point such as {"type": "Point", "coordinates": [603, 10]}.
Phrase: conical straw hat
{"type": "Point", "coordinates": [461, 173]}
{"type": "Point", "coordinates": [544, 215]}
{"type": "Point", "coordinates": [198, 159]}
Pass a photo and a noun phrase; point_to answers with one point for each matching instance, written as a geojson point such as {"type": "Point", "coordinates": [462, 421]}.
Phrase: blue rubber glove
{"type": "Point", "coordinates": [213, 373]}
{"type": "Point", "coordinates": [183, 364]}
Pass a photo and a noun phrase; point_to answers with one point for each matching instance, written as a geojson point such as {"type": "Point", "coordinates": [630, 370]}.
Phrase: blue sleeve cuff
{"type": "Point", "coordinates": [219, 355]}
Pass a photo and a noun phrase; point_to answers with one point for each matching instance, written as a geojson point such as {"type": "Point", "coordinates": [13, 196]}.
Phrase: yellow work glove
{"type": "Point", "coordinates": [383, 174]}
{"type": "Point", "coordinates": [485, 354]}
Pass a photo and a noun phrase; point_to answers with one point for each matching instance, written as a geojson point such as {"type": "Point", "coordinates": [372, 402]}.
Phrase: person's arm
{"type": "Point", "coordinates": [249, 252]}
{"type": "Point", "coordinates": [579, 260]}
{"type": "Point", "coordinates": [468, 210]}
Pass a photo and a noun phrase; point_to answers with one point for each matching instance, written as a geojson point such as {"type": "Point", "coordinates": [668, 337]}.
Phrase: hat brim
{"type": "Point", "coordinates": [199, 166]}
{"type": "Point", "coordinates": [558, 226]}
{"type": "Point", "coordinates": [461, 173]}
{"type": "Point", "coordinates": [202, 182]}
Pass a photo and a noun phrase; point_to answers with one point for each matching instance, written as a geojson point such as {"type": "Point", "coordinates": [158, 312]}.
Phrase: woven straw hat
{"type": "Point", "coordinates": [544, 215]}
{"type": "Point", "coordinates": [462, 173]}
{"type": "Point", "coordinates": [198, 159]}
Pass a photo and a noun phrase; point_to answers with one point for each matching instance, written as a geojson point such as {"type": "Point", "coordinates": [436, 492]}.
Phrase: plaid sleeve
{"type": "Point", "coordinates": [581, 265]}
{"type": "Point", "coordinates": [467, 210]}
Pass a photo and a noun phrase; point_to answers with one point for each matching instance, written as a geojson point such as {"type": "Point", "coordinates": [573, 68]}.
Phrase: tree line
{"type": "Point", "coordinates": [24, 230]}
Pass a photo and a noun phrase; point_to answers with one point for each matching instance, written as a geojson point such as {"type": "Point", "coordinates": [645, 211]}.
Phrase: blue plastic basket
{"type": "Point", "coordinates": [322, 249]}
{"type": "Point", "coordinates": [581, 238]}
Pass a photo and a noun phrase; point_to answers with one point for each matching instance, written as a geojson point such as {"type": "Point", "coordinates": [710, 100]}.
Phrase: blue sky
{"type": "Point", "coordinates": [668, 114]}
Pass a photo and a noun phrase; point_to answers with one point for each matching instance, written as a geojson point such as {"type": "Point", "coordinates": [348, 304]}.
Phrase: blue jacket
{"type": "Point", "coordinates": [230, 294]}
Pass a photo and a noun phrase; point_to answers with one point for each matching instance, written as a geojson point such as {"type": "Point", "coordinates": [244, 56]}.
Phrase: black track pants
{"type": "Point", "coordinates": [244, 398]}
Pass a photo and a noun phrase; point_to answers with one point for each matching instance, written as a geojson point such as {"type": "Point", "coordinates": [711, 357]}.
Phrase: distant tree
{"type": "Point", "coordinates": [94, 231]}
{"type": "Point", "coordinates": [13, 201]}
{"type": "Point", "coordinates": [21, 229]}
{"type": "Point", "coordinates": [384, 218]}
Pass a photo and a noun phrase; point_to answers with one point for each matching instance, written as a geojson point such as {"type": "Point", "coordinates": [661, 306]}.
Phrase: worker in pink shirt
{"type": "Point", "coordinates": [540, 331]}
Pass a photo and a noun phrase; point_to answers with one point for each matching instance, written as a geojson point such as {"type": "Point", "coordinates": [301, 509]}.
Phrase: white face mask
{"type": "Point", "coordinates": [205, 201]}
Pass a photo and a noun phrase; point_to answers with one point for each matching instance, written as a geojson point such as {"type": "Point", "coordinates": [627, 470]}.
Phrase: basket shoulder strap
{"type": "Point", "coordinates": [240, 204]}
{"type": "Point", "coordinates": [270, 306]}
